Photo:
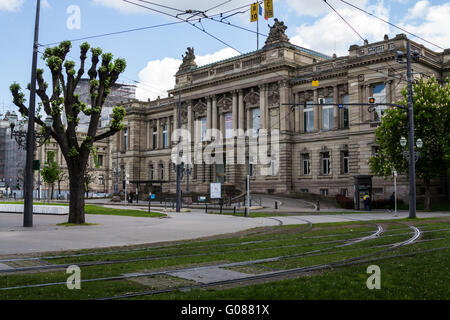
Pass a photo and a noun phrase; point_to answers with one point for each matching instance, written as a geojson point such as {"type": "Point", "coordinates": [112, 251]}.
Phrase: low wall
{"type": "Point", "coordinates": [50, 210]}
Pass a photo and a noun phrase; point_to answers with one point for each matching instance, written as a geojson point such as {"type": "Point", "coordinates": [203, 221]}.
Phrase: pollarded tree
{"type": "Point", "coordinates": [431, 124]}
{"type": "Point", "coordinates": [63, 99]}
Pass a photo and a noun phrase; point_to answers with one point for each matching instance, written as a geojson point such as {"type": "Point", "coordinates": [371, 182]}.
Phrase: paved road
{"type": "Point", "coordinates": [119, 231]}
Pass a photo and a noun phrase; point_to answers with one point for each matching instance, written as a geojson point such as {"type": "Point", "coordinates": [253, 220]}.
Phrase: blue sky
{"type": "Point", "coordinates": [153, 55]}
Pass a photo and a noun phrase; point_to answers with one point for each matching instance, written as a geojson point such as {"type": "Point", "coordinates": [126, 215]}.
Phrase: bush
{"type": "Point", "coordinates": [344, 202]}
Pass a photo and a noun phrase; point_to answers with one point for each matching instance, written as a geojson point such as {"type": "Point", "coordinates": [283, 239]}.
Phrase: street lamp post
{"type": "Point", "coordinates": [412, 156]}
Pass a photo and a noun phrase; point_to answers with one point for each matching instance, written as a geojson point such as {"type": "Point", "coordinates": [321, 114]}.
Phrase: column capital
{"type": "Point", "coordinates": [263, 86]}
{"type": "Point", "coordinates": [283, 83]}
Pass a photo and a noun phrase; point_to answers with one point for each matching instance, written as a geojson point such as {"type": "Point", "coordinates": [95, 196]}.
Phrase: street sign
{"type": "Point", "coordinates": [315, 83]}
{"type": "Point", "coordinates": [340, 106]}
{"type": "Point", "coordinates": [201, 199]}
{"type": "Point", "coordinates": [216, 190]}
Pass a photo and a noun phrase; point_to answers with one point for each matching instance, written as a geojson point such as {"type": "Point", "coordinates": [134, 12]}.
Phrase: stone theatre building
{"type": "Point", "coordinates": [322, 149]}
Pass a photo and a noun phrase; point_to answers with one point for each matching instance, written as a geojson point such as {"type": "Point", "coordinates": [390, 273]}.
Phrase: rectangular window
{"type": "Point", "coordinates": [324, 192]}
{"type": "Point", "coordinates": [155, 138]}
{"type": "Point", "coordinates": [101, 180]}
{"type": "Point", "coordinates": [344, 192]}
{"type": "Point", "coordinates": [151, 174]}
{"type": "Point", "coordinates": [255, 121]}
{"type": "Point", "coordinates": [306, 164]}
{"type": "Point", "coordinates": [345, 99]}
{"type": "Point", "coordinates": [125, 139]}
{"type": "Point", "coordinates": [328, 115]}
{"type": "Point", "coordinates": [308, 113]}
{"type": "Point", "coordinates": [304, 190]}
{"type": "Point", "coordinates": [345, 162]}
{"type": "Point", "coordinates": [203, 128]}
{"type": "Point", "coordinates": [161, 172]}
{"type": "Point", "coordinates": [326, 168]}
{"type": "Point", "coordinates": [379, 93]}
{"type": "Point", "coordinates": [228, 118]}
{"type": "Point", "coordinates": [165, 137]}
{"type": "Point", "coordinates": [100, 160]}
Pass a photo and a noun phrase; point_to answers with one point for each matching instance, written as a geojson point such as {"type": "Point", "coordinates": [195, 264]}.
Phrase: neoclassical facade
{"type": "Point", "coordinates": [321, 148]}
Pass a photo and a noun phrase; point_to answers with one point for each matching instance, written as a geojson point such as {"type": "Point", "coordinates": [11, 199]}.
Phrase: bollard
{"type": "Point", "coordinates": [206, 208]}
{"type": "Point", "coordinates": [234, 210]}
{"type": "Point", "coordinates": [318, 205]}
{"type": "Point", "coordinates": [276, 205]}
{"type": "Point", "coordinates": [221, 209]}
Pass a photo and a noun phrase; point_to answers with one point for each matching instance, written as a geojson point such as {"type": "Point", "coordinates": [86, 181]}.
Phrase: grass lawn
{"type": "Point", "coordinates": [423, 276]}
{"type": "Point", "coordinates": [95, 209]}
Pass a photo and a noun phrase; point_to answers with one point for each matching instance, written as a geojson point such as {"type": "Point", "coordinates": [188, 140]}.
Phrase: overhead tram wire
{"type": "Point", "coordinates": [344, 19]}
{"type": "Point", "coordinates": [391, 24]}
{"type": "Point", "coordinates": [114, 33]}
{"type": "Point", "coordinates": [154, 26]}
{"type": "Point", "coordinates": [219, 5]}
{"type": "Point", "coordinates": [187, 21]}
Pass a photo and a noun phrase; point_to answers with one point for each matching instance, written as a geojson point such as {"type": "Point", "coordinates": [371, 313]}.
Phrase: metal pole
{"type": "Point", "coordinates": [257, 30]}
{"type": "Point", "coordinates": [178, 166]}
{"type": "Point", "coordinates": [412, 163]}
{"type": "Point", "coordinates": [247, 213]}
{"type": "Point", "coordinates": [29, 177]}
{"type": "Point", "coordinates": [395, 193]}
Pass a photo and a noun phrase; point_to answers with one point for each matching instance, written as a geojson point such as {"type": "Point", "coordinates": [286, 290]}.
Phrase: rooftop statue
{"type": "Point", "coordinates": [277, 33]}
{"type": "Point", "coordinates": [188, 60]}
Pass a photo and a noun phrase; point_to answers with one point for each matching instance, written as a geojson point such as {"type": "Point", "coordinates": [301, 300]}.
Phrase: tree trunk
{"type": "Point", "coordinates": [53, 187]}
{"type": "Point", "coordinates": [76, 187]}
{"type": "Point", "coordinates": [426, 205]}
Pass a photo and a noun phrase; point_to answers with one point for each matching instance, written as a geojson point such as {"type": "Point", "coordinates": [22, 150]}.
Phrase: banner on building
{"type": "Point", "coordinates": [254, 10]}
{"type": "Point", "coordinates": [268, 9]}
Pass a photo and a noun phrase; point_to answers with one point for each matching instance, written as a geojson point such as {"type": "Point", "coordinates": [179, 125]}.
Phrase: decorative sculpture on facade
{"type": "Point", "coordinates": [277, 33]}
{"type": "Point", "coordinates": [188, 61]}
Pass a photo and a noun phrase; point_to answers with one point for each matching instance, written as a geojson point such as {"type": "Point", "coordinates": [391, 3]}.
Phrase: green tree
{"type": "Point", "coordinates": [103, 75]}
{"type": "Point", "coordinates": [431, 124]}
{"type": "Point", "coordinates": [51, 172]}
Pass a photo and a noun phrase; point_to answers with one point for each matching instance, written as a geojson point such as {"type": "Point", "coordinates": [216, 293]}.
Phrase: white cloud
{"type": "Point", "coordinates": [330, 34]}
{"type": "Point", "coordinates": [316, 8]}
{"type": "Point", "coordinates": [10, 5]}
{"type": "Point", "coordinates": [158, 76]}
{"type": "Point", "coordinates": [429, 22]}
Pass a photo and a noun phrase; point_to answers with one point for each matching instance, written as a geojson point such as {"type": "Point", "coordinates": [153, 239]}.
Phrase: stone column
{"type": "Point", "coordinates": [235, 111]}
{"type": "Point", "coordinates": [214, 113]}
{"type": "Point", "coordinates": [302, 116]}
{"type": "Point", "coordinates": [284, 108]}
{"type": "Point", "coordinates": [262, 105]}
{"type": "Point", "coordinates": [366, 100]}
{"type": "Point", "coordinates": [241, 110]}
{"type": "Point", "coordinates": [149, 135]}
{"type": "Point", "coordinates": [208, 117]}
{"type": "Point", "coordinates": [337, 111]}
{"type": "Point", "coordinates": [222, 124]}
{"type": "Point", "coordinates": [189, 120]}
{"type": "Point", "coordinates": [175, 115]}
{"type": "Point", "coordinates": [169, 131]}
{"type": "Point", "coordinates": [389, 92]}
{"type": "Point", "coordinates": [316, 111]}
{"type": "Point", "coordinates": [297, 112]}
{"type": "Point", "coordinates": [158, 136]}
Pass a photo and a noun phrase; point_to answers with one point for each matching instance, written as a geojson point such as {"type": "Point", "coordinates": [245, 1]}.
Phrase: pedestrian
{"type": "Point", "coordinates": [392, 201]}
{"type": "Point", "coordinates": [366, 200]}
